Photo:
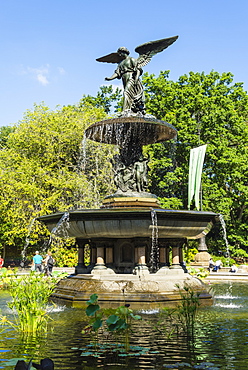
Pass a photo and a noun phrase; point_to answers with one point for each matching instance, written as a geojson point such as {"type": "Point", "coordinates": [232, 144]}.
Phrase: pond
{"type": "Point", "coordinates": [220, 342]}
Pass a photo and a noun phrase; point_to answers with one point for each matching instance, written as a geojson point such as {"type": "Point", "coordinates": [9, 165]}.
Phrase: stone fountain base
{"type": "Point", "coordinates": [142, 290]}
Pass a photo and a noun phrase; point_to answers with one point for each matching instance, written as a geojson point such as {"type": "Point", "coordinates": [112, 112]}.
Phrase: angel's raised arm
{"type": "Point", "coordinates": [114, 75]}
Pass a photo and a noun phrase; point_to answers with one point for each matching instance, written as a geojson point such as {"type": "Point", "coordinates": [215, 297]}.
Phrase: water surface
{"type": "Point", "coordinates": [221, 339]}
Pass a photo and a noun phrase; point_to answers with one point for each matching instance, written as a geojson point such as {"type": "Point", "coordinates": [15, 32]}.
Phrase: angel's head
{"type": "Point", "coordinates": [122, 50]}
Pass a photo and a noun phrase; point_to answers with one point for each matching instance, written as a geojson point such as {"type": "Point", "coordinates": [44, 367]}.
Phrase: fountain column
{"type": "Point", "coordinates": [176, 256]}
{"type": "Point", "coordinates": [182, 263]}
{"type": "Point", "coordinates": [167, 256]}
{"type": "Point", "coordinates": [109, 256]}
{"type": "Point", "coordinates": [164, 255]}
{"type": "Point", "coordinates": [140, 257]}
{"type": "Point", "coordinates": [80, 268]}
{"type": "Point", "coordinates": [100, 264]}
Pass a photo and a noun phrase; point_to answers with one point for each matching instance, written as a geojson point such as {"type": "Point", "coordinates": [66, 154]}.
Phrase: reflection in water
{"type": "Point", "coordinates": [221, 339]}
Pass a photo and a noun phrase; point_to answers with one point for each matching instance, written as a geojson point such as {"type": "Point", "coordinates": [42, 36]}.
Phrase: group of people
{"type": "Point", "coordinates": [43, 265]}
{"type": "Point", "coordinates": [215, 266]}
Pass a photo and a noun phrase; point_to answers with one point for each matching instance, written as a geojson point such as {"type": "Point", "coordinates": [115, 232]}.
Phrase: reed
{"type": "Point", "coordinates": [187, 309]}
{"type": "Point", "coordinates": [30, 295]}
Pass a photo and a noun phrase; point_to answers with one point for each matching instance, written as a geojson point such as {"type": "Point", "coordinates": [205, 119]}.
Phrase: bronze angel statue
{"type": "Point", "coordinates": [130, 69]}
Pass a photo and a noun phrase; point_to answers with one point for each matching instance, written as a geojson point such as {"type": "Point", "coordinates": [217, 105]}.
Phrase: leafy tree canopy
{"type": "Point", "coordinates": [43, 170]}
{"type": "Point", "coordinates": [43, 167]}
{"type": "Point", "coordinates": [105, 98]}
{"type": "Point", "coordinates": [206, 109]}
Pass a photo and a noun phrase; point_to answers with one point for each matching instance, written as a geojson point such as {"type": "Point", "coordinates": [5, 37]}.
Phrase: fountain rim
{"type": "Point", "coordinates": [163, 130]}
{"type": "Point", "coordinates": [121, 213]}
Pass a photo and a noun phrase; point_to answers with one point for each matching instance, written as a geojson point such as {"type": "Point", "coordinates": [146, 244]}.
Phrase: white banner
{"type": "Point", "coordinates": [196, 160]}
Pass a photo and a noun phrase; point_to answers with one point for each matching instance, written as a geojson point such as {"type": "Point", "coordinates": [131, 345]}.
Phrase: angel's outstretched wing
{"type": "Point", "coordinates": [149, 49]}
{"type": "Point", "coordinates": [110, 58]}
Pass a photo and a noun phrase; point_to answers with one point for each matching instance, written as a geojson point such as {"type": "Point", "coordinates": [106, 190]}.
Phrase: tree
{"type": "Point", "coordinates": [41, 170]}
{"type": "Point", "coordinates": [105, 99]}
{"type": "Point", "coordinates": [205, 109]}
{"type": "Point", "coordinates": [4, 134]}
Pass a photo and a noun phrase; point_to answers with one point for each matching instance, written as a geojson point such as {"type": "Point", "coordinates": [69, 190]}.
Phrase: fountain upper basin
{"type": "Point", "coordinates": [136, 130]}
{"type": "Point", "coordinates": [130, 223]}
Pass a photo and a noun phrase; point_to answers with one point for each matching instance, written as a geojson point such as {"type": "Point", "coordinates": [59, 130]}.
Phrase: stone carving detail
{"type": "Point", "coordinates": [130, 172]}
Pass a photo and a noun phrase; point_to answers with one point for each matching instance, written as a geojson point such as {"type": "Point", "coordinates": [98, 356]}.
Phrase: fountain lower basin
{"type": "Point", "coordinates": [132, 223]}
{"type": "Point", "coordinates": [121, 242]}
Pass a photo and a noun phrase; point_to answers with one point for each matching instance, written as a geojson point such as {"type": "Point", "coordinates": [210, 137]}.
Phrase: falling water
{"type": "Point", "coordinates": [27, 241]}
{"type": "Point", "coordinates": [62, 226]}
{"type": "Point", "coordinates": [154, 256]}
{"type": "Point", "coordinates": [223, 225]}
{"type": "Point", "coordinates": [82, 156]}
{"type": "Point", "coordinates": [61, 229]}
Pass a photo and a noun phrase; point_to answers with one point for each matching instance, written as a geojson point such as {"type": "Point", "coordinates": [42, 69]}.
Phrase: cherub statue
{"type": "Point", "coordinates": [130, 69]}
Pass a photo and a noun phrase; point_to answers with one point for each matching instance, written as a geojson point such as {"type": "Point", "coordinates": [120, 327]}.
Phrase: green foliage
{"type": "Point", "coordinates": [206, 109]}
{"type": "Point", "coordinates": [238, 252]}
{"type": "Point", "coordinates": [189, 254]}
{"type": "Point", "coordinates": [118, 322]}
{"type": "Point", "coordinates": [200, 272]}
{"type": "Point", "coordinates": [183, 317]}
{"type": "Point", "coordinates": [104, 98]}
{"type": "Point", "coordinates": [42, 171]}
{"type": "Point", "coordinates": [5, 131]}
{"type": "Point", "coordinates": [121, 323]}
{"type": "Point", "coordinates": [6, 276]}
{"type": "Point", "coordinates": [64, 251]}
{"type": "Point", "coordinates": [226, 261]}
{"type": "Point", "coordinates": [187, 308]}
{"type": "Point", "coordinates": [30, 295]}
{"type": "Point", "coordinates": [95, 314]}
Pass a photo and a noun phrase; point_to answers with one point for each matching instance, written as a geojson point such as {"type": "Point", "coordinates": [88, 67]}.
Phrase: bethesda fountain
{"type": "Point", "coordinates": [136, 247]}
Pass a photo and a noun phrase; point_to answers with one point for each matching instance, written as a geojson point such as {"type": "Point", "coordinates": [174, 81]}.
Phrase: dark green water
{"type": "Point", "coordinates": [221, 339]}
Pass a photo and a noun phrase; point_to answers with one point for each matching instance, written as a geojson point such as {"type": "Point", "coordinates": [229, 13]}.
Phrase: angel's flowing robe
{"type": "Point", "coordinates": [133, 89]}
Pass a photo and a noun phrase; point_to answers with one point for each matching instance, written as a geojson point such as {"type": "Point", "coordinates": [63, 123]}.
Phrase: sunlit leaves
{"type": "Point", "coordinates": [206, 109]}
{"type": "Point", "coordinates": [42, 170]}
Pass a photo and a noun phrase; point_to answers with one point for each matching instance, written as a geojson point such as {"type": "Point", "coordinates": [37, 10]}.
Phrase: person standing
{"type": "Point", "coordinates": [211, 264]}
{"type": "Point", "coordinates": [37, 260]}
{"type": "Point", "coordinates": [1, 261]}
{"type": "Point", "coordinates": [49, 262]}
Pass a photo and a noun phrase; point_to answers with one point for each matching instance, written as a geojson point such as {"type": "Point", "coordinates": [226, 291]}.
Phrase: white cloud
{"type": "Point", "coordinates": [40, 74]}
{"type": "Point", "coordinates": [61, 70]}
{"type": "Point", "coordinates": [42, 79]}
{"type": "Point", "coordinates": [43, 74]}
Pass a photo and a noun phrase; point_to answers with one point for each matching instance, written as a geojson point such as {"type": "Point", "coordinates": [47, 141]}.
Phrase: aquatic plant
{"type": "Point", "coordinates": [95, 314]}
{"type": "Point", "coordinates": [167, 323]}
{"type": "Point", "coordinates": [5, 276]}
{"type": "Point", "coordinates": [180, 318]}
{"type": "Point", "coordinates": [187, 308]}
{"type": "Point", "coordinates": [30, 295]}
{"type": "Point", "coordinates": [186, 365]}
{"type": "Point", "coordinates": [121, 322]}
{"type": "Point", "coordinates": [118, 322]}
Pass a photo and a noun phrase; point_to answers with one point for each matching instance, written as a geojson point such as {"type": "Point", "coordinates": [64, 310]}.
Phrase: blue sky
{"type": "Point", "coordinates": [49, 47]}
